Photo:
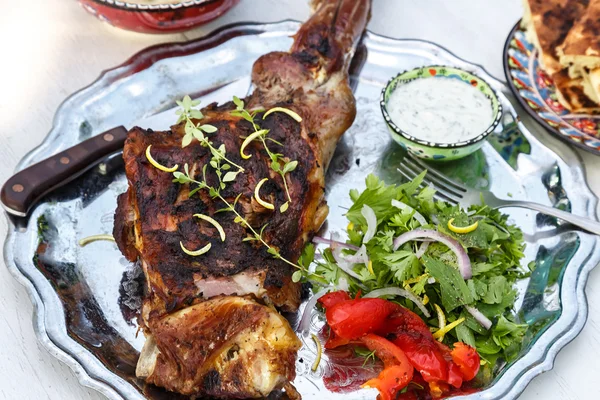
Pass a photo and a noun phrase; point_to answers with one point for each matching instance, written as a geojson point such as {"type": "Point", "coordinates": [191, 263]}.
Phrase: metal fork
{"type": "Point", "coordinates": [456, 193]}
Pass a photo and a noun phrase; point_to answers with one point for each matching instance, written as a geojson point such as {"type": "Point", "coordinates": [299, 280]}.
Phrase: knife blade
{"type": "Point", "coordinates": [24, 189]}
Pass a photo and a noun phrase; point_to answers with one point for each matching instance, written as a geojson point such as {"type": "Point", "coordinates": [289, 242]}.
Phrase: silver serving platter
{"type": "Point", "coordinates": [82, 295]}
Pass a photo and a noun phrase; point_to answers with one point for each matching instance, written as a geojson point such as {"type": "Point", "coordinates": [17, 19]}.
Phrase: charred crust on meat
{"type": "Point", "coordinates": [212, 381]}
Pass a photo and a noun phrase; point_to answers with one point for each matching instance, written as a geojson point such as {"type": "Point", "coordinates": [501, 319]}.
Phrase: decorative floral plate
{"type": "Point", "coordinates": [536, 92]}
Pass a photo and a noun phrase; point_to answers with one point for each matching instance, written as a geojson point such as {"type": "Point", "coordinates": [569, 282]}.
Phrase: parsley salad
{"type": "Point", "coordinates": [456, 269]}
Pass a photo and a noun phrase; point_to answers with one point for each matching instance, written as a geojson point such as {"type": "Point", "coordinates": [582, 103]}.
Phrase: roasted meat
{"type": "Point", "coordinates": [207, 318]}
{"type": "Point", "coordinates": [222, 347]}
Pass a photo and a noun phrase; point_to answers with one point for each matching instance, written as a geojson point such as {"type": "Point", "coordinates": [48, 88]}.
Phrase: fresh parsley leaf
{"type": "Point", "coordinates": [465, 335]}
{"type": "Point", "coordinates": [497, 287]}
{"type": "Point", "coordinates": [403, 264]}
{"type": "Point", "coordinates": [454, 290]}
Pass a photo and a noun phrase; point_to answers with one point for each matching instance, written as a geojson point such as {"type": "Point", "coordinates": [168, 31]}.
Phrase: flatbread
{"type": "Point", "coordinates": [591, 84]}
{"type": "Point", "coordinates": [571, 94]}
{"type": "Point", "coordinates": [581, 48]}
{"type": "Point", "coordinates": [547, 23]}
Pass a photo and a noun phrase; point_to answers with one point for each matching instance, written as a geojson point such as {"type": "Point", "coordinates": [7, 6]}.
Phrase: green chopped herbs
{"type": "Point", "coordinates": [495, 250]}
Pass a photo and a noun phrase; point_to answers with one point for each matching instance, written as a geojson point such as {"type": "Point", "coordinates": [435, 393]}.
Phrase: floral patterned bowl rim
{"type": "Point", "coordinates": [155, 7]}
{"type": "Point", "coordinates": [565, 131]}
{"type": "Point", "coordinates": [495, 104]}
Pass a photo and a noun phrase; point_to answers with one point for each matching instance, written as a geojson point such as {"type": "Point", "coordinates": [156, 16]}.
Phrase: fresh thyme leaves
{"type": "Point", "coordinates": [277, 159]}
{"type": "Point", "coordinates": [197, 131]}
{"type": "Point", "coordinates": [367, 354]}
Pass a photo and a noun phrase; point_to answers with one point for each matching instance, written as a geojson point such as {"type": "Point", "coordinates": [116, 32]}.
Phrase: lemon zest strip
{"type": "Point", "coordinates": [195, 253]}
{"type": "Point", "coordinates": [287, 111]}
{"type": "Point", "coordinates": [156, 164]}
{"type": "Point", "coordinates": [214, 223]}
{"type": "Point", "coordinates": [370, 267]}
{"type": "Point", "coordinates": [260, 201]}
{"type": "Point", "coordinates": [441, 319]}
{"type": "Point", "coordinates": [414, 280]}
{"type": "Point", "coordinates": [441, 332]}
{"type": "Point", "coordinates": [319, 352]}
{"type": "Point", "coordinates": [462, 229]}
{"type": "Point", "coordinates": [94, 238]}
{"type": "Point", "coordinates": [248, 140]}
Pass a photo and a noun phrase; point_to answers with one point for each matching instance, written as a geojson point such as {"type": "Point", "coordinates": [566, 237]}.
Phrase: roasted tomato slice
{"type": "Point", "coordinates": [333, 298]}
{"type": "Point", "coordinates": [352, 319]}
{"type": "Point", "coordinates": [467, 360]}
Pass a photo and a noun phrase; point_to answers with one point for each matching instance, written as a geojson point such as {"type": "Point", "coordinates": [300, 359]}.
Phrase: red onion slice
{"type": "Point", "coordinates": [371, 218]}
{"type": "Point", "coordinates": [396, 291]}
{"type": "Point", "coordinates": [464, 264]}
{"type": "Point", "coordinates": [360, 257]}
{"type": "Point", "coordinates": [343, 285]}
{"type": "Point", "coordinates": [482, 319]}
{"type": "Point", "coordinates": [343, 264]}
{"type": "Point", "coordinates": [304, 326]}
{"type": "Point", "coordinates": [422, 249]}
{"type": "Point", "coordinates": [417, 215]}
{"type": "Point", "coordinates": [331, 243]}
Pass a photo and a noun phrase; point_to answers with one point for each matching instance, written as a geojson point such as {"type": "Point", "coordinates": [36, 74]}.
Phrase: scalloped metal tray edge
{"type": "Point", "coordinates": [91, 373]}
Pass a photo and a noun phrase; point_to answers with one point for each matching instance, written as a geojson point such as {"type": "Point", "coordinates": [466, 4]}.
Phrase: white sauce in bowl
{"type": "Point", "coordinates": [440, 110]}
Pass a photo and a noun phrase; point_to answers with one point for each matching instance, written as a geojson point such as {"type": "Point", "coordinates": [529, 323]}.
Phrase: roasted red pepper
{"type": "Point", "coordinates": [403, 341]}
{"type": "Point", "coordinates": [389, 382]}
{"type": "Point", "coordinates": [398, 370]}
{"type": "Point", "coordinates": [408, 331]}
{"type": "Point", "coordinates": [423, 354]}
{"type": "Point", "coordinates": [335, 341]}
{"type": "Point", "coordinates": [455, 377]}
{"type": "Point", "coordinates": [467, 360]}
{"type": "Point", "coordinates": [386, 351]}
{"type": "Point", "coordinates": [352, 319]}
{"type": "Point", "coordinates": [331, 299]}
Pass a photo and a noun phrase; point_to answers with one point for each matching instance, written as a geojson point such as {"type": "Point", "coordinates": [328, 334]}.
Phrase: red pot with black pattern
{"type": "Point", "coordinates": [157, 16]}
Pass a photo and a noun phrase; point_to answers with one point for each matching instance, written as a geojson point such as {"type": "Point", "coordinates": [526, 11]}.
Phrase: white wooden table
{"type": "Point", "coordinates": [51, 48]}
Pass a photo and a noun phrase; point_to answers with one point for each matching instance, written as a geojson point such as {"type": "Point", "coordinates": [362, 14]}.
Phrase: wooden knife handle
{"type": "Point", "coordinates": [26, 187]}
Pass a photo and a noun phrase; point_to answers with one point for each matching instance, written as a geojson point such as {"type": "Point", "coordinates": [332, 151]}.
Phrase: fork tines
{"type": "Point", "coordinates": [446, 189]}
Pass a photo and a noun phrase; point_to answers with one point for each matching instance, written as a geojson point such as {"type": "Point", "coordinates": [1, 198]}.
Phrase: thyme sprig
{"type": "Point", "coordinates": [366, 353]}
{"type": "Point", "coordinates": [198, 131]}
{"type": "Point", "coordinates": [276, 158]}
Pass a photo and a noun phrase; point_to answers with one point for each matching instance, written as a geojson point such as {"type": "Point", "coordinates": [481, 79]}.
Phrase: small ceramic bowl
{"type": "Point", "coordinates": [431, 150]}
